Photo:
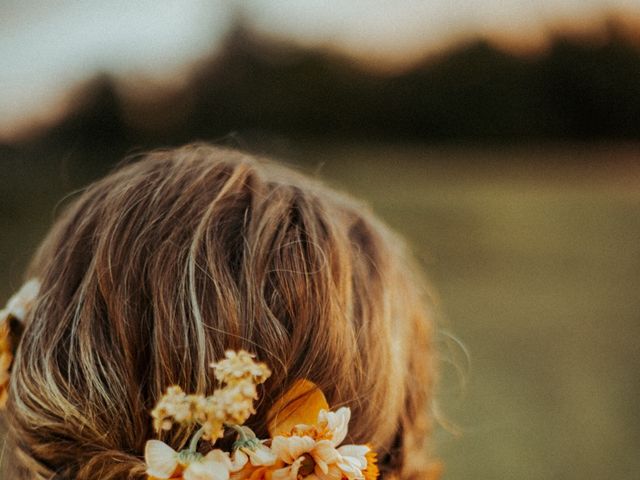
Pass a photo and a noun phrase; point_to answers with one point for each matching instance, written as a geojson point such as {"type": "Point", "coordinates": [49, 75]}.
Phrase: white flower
{"type": "Point", "coordinates": [216, 465]}
{"type": "Point", "coordinates": [19, 304]}
{"type": "Point", "coordinates": [337, 423]}
{"type": "Point", "coordinates": [288, 473]}
{"type": "Point", "coordinates": [315, 447]}
{"type": "Point", "coordinates": [289, 449]}
{"type": "Point", "coordinates": [163, 462]}
{"type": "Point", "coordinates": [260, 456]}
{"type": "Point", "coordinates": [353, 460]}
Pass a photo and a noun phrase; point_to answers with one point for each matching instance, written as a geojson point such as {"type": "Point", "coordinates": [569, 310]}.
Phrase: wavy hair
{"type": "Point", "coordinates": [152, 272]}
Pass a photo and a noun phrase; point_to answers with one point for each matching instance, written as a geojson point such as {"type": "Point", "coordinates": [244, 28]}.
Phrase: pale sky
{"type": "Point", "coordinates": [49, 46]}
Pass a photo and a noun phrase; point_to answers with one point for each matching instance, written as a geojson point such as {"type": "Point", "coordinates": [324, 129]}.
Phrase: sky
{"type": "Point", "coordinates": [49, 46]}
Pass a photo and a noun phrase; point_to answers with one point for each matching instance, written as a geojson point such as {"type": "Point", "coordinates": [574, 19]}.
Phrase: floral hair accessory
{"type": "Point", "coordinates": [12, 318]}
{"type": "Point", "coordinates": [306, 438]}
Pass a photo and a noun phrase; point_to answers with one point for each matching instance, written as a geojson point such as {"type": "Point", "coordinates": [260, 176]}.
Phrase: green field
{"type": "Point", "coordinates": [535, 257]}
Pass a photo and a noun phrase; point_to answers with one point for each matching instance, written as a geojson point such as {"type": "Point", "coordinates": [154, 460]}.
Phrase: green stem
{"type": "Point", "coordinates": [239, 431]}
{"type": "Point", "coordinates": [193, 445]}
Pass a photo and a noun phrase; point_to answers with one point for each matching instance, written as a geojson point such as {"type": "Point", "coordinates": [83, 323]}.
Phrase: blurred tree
{"type": "Point", "coordinates": [580, 88]}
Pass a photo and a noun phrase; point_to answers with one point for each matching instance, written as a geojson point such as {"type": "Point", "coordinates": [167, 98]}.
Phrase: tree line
{"type": "Point", "coordinates": [576, 89]}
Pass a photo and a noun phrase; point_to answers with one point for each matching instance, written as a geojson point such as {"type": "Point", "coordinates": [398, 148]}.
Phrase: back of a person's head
{"type": "Point", "coordinates": [156, 270]}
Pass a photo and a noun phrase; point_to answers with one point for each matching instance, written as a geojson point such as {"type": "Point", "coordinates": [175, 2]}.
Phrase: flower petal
{"type": "Point", "coordinates": [324, 454]}
{"type": "Point", "coordinates": [261, 473]}
{"type": "Point", "coordinates": [337, 422]}
{"type": "Point", "coordinates": [356, 452]}
{"type": "Point", "coordinates": [288, 473]}
{"type": "Point", "coordinates": [289, 449]}
{"type": "Point", "coordinates": [214, 466]}
{"type": "Point", "coordinates": [19, 304]}
{"type": "Point", "coordinates": [218, 456]}
{"type": "Point", "coordinates": [300, 404]}
{"type": "Point", "coordinates": [333, 473]}
{"type": "Point", "coordinates": [161, 459]}
{"type": "Point", "coordinates": [260, 456]}
{"type": "Point", "coordinates": [239, 460]}
{"type": "Point", "coordinates": [206, 470]}
{"type": "Point", "coordinates": [349, 468]}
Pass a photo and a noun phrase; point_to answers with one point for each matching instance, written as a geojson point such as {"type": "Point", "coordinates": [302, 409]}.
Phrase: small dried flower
{"type": "Point", "coordinates": [177, 407]}
{"type": "Point", "coordinates": [231, 404]}
{"type": "Point", "coordinates": [239, 367]}
{"type": "Point", "coordinates": [234, 403]}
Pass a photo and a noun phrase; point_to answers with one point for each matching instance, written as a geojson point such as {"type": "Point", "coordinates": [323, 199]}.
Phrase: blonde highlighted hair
{"type": "Point", "coordinates": [158, 268]}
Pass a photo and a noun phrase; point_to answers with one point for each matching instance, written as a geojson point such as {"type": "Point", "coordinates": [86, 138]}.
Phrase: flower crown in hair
{"type": "Point", "coordinates": [305, 436]}
{"type": "Point", "coordinates": [12, 318]}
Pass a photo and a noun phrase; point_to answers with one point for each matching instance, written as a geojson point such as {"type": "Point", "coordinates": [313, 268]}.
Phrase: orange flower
{"type": "Point", "coordinates": [6, 359]}
{"type": "Point", "coordinates": [300, 405]}
{"type": "Point", "coordinates": [251, 472]}
{"type": "Point", "coordinates": [262, 473]}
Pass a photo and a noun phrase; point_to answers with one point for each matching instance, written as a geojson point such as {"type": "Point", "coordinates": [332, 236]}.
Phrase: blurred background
{"type": "Point", "coordinates": [501, 137]}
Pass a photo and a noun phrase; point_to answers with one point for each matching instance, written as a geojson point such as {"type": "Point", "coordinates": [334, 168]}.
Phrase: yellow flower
{"type": "Point", "coordinates": [371, 472]}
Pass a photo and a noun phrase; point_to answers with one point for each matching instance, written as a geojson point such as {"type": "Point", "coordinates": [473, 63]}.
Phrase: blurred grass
{"type": "Point", "coordinates": [535, 258]}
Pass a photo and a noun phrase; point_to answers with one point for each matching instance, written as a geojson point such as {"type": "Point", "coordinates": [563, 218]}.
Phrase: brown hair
{"type": "Point", "coordinates": [158, 268]}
